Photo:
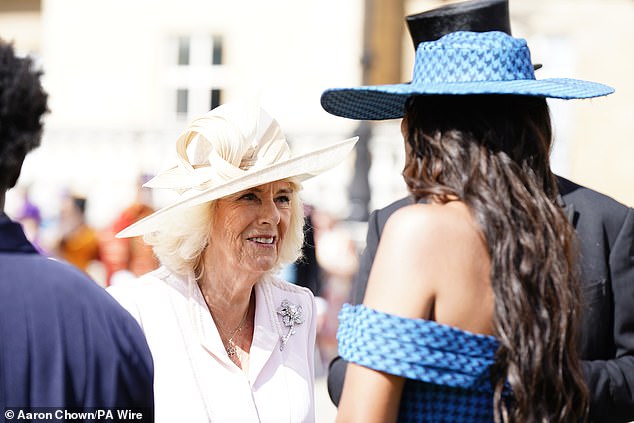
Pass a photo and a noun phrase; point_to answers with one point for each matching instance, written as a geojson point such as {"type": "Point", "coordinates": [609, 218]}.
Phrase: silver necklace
{"type": "Point", "coordinates": [231, 347]}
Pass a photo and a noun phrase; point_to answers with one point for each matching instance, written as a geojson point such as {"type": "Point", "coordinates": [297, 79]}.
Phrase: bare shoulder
{"type": "Point", "coordinates": [431, 225]}
{"type": "Point", "coordinates": [423, 249]}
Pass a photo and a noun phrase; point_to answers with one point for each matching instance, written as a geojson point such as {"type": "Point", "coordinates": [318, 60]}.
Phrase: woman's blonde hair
{"type": "Point", "coordinates": [184, 234]}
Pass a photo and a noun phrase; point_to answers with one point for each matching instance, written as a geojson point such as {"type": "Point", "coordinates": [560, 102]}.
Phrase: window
{"type": "Point", "coordinates": [196, 78]}
{"type": "Point", "coordinates": [181, 101]}
{"type": "Point", "coordinates": [216, 50]}
{"type": "Point", "coordinates": [215, 98]}
{"type": "Point", "coordinates": [183, 51]}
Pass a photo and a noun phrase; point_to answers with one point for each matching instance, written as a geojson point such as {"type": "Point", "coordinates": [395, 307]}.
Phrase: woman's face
{"type": "Point", "coordinates": [248, 227]}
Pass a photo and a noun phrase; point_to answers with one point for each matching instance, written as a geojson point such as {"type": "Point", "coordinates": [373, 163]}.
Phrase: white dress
{"type": "Point", "coordinates": [194, 379]}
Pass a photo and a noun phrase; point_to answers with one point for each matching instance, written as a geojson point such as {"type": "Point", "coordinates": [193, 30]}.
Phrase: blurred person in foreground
{"type": "Point", "coordinates": [473, 301]}
{"type": "Point", "coordinates": [231, 341]}
{"type": "Point", "coordinates": [605, 233]}
{"type": "Point", "coordinates": [64, 342]}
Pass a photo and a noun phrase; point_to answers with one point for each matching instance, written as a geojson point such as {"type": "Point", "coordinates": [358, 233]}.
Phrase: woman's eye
{"type": "Point", "coordinates": [284, 199]}
{"type": "Point", "coordinates": [249, 196]}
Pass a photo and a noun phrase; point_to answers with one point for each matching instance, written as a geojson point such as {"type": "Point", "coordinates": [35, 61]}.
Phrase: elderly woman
{"type": "Point", "coordinates": [231, 342]}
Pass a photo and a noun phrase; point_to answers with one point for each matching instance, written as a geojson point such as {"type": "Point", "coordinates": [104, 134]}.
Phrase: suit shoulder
{"type": "Point", "coordinates": [51, 280]}
{"type": "Point", "coordinates": [380, 216]}
{"type": "Point", "coordinates": [392, 207]}
{"type": "Point", "coordinates": [591, 202]}
{"type": "Point", "coordinates": [59, 295]}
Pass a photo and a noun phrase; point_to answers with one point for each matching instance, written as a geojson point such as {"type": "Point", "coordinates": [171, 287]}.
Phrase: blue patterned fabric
{"type": "Point", "coordinates": [459, 63]}
{"type": "Point", "coordinates": [447, 369]}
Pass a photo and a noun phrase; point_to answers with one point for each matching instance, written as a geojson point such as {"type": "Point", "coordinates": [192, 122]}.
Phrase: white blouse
{"type": "Point", "coordinates": [194, 379]}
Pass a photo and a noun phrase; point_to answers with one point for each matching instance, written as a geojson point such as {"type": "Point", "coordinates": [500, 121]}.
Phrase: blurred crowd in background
{"type": "Point", "coordinates": [329, 264]}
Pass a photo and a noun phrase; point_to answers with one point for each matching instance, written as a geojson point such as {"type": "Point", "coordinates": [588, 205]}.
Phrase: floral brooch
{"type": "Point", "coordinates": [292, 315]}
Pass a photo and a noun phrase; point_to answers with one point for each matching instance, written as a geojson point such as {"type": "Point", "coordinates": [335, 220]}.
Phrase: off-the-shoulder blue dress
{"type": "Point", "coordinates": [447, 369]}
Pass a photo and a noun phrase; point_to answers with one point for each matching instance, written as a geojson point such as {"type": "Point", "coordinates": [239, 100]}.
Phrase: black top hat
{"type": "Point", "coordinates": [472, 15]}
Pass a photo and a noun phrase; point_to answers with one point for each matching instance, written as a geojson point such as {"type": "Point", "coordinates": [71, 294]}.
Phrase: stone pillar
{"type": "Point", "coordinates": [381, 64]}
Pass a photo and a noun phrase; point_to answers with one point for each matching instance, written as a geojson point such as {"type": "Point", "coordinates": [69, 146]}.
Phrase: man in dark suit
{"type": "Point", "coordinates": [64, 341]}
{"type": "Point", "coordinates": [606, 233]}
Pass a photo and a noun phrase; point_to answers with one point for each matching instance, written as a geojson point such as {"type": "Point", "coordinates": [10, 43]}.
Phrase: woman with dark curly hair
{"type": "Point", "coordinates": [472, 306]}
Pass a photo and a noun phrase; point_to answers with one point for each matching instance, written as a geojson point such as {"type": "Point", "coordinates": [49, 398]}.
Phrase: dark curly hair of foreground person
{"type": "Point", "coordinates": [22, 105]}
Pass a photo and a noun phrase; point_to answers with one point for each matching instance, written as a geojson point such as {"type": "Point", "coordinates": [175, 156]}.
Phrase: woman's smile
{"type": "Point", "coordinates": [250, 226]}
{"type": "Point", "coordinates": [263, 240]}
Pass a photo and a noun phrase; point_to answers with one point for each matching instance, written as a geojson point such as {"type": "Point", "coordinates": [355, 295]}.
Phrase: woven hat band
{"type": "Point", "coordinates": [465, 57]}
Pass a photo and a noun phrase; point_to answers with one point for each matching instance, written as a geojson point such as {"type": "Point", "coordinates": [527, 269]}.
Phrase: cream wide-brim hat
{"type": "Point", "coordinates": [232, 148]}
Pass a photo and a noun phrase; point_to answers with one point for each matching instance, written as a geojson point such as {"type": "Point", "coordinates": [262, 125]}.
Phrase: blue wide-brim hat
{"type": "Point", "coordinates": [459, 63]}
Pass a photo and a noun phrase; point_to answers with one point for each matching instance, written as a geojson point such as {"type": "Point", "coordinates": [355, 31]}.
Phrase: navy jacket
{"type": "Point", "coordinates": [64, 341]}
{"type": "Point", "coordinates": [606, 232]}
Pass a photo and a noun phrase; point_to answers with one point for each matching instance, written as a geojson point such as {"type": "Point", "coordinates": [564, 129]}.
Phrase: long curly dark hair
{"type": "Point", "coordinates": [22, 105]}
{"type": "Point", "coordinates": [492, 152]}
